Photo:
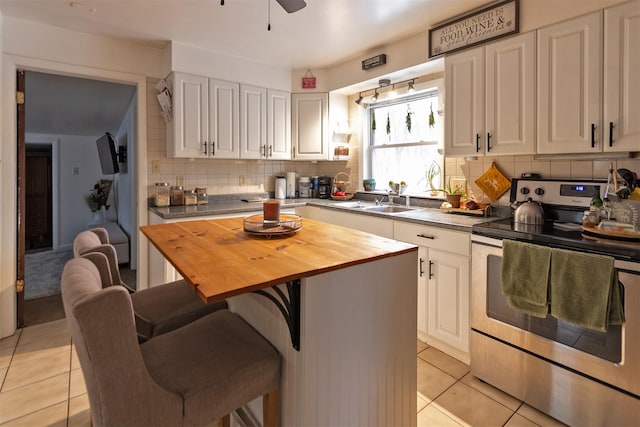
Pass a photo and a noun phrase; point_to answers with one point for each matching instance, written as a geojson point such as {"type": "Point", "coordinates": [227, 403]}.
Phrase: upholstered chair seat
{"type": "Point", "coordinates": [190, 376]}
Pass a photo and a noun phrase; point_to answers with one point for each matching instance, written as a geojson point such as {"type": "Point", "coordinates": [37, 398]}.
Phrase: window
{"type": "Point", "coordinates": [405, 134]}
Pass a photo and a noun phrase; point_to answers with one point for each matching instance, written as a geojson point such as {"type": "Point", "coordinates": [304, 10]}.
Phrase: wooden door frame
{"type": "Point", "coordinates": [8, 209]}
{"type": "Point", "coordinates": [21, 186]}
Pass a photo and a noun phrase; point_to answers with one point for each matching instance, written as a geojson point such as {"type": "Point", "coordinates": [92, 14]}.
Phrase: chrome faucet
{"type": "Point", "coordinates": [389, 198]}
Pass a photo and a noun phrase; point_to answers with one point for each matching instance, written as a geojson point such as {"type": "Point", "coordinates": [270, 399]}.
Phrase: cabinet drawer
{"type": "Point", "coordinates": [457, 242]}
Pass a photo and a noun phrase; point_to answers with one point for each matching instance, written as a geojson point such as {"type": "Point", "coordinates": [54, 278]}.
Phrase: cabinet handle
{"type": "Point", "coordinates": [488, 141]}
{"type": "Point", "coordinates": [426, 236]}
{"type": "Point", "coordinates": [593, 135]}
{"type": "Point", "coordinates": [205, 148]}
{"type": "Point", "coordinates": [477, 142]}
{"type": "Point", "coordinates": [611, 134]}
{"type": "Point", "coordinates": [213, 148]}
{"type": "Point", "coordinates": [270, 151]}
{"type": "Point", "coordinates": [430, 269]}
{"type": "Point", "coordinates": [420, 268]}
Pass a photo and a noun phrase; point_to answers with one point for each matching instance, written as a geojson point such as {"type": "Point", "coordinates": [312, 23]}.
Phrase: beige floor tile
{"type": "Point", "coordinates": [53, 416]}
{"type": "Point", "coordinates": [422, 346]}
{"type": "Point", "coordinates": [75, 362]}
{"type": "Point", "coordinates": [10, 342]}
{"type": "Point", "coordinates": [33, 397]}
{"type": "Point", "coordinates": [3, 372]}
{"type": "Point", "coordinates": [6, 354]}
{"type": "Point", "coordinates": [421, 403]}
{"type": "Point", "coordinates": [432, 381]}
{"type": "Point", "coordinates": [28, 368]}
{"type": "Point", "coordinates": [540, 418]}
{"type": "Point", "coordinates": [79, 412]}
{"type": "Point", "coordinates": [519, 421]}
{"type": "Point", "coordinates": [470, 407]}
{"type": "Point", "coordinates": [497, 395]}
{"type": "Point", "coordinates": [431, 417]}
{"type": "Point", "coordinates": [30, 342]}
{"type": "Point", "coordinates": [77, 385]}
{"type": "Point", "coordinates": [450, 365]}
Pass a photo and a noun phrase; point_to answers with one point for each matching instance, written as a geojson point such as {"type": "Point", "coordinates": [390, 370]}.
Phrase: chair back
{"type": "Point", "coordinates": [91, 244]}
{"type": "Point", "coordinates": [101, 321]}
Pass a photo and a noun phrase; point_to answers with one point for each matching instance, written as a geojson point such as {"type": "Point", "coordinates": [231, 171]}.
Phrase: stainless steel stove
{"type": "Point", "coordinates": [577, 375]}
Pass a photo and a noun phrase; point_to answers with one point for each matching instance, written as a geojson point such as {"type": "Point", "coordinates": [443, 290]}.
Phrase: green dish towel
{"type": "Point", "coordinates": [585, 290]}
{"type": "Point", "coordinates": [525, 277]}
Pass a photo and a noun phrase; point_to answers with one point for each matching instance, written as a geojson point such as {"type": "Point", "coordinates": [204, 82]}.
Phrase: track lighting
{"type": "Point", "coordinates": [393, 92]}
{"type": "Point", "coordinates": [410, 87]}
{"type": "Point", "coordinates": [359, 100]}
{"type": "Point", "coordinates": [383, 83]}
{"type": "Point", "coordinates": [374, 98]}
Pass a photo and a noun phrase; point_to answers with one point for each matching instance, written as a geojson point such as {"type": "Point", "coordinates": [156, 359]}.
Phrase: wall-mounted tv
{"type": "Point", "coordinates": [107, 154]}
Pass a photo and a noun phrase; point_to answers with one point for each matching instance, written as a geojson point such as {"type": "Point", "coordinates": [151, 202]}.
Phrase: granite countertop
{"type": "Point", "coordinates": [425, 212]}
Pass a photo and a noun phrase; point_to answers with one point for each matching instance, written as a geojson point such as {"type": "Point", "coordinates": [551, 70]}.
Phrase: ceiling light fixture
{"type": "Point", "coordinates": [410, 87]}
{"type": "Point", "coordinates": [383, 83]}
{"type": "Point", "coordinates": [374, 98]}
{"type": "Point", "coordinates": [359, 100]}
{"type": "Point", "coordinates": [393, 92]}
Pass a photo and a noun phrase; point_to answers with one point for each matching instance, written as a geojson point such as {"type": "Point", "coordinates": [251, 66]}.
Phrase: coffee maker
{"type": "Point", "coordinates": [324, 187]}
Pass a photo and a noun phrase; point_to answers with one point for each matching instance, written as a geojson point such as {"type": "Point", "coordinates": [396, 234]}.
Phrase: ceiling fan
{"type": "Point", "coordinates": [288, 5]}
{"type": "Point", "coordinates": [292, 5]}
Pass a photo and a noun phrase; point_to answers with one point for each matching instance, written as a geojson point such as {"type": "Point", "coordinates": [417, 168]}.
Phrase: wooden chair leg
{"type": "Point", "coordinates": [271, 409]}
{"type": "Point", "coordinates": [225, 421]}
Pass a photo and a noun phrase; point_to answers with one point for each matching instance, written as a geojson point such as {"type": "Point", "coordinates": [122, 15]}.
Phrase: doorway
{"type": "Point", "coordinates": [61, 165]}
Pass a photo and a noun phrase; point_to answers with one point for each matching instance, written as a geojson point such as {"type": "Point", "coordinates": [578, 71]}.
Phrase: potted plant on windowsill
{"type": "Point", "coordinates": [453, 194]}
{"type": "Point", "coordinates": [433, 171]}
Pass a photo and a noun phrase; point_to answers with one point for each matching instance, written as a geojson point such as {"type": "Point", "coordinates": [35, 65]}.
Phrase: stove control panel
{"type": "Point", "coordinates": [575, 193]}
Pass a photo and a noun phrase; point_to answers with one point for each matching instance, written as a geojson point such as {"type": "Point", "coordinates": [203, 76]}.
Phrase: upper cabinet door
{"type": "Point", "coordinates": [278, 125]}
{"type": "Point", "coordinates": [187, 131]}
{"type": "Point", "coordinates": [224, 125]}
{"type": "Point", "coordinates": [253, 122]}
{"type": "Point", "coordinates": [464, 105]}
{"type": "Point", "coordinates": [309, 128]}
{"type": "Point", "coordinates": [569, 86]}
{"type": "Point", "coordinates": [510, 95]}
{"type": "Point", "coordinates": [621, 77]}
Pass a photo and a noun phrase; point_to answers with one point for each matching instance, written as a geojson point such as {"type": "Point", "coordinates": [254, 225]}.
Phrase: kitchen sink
{"type": "Point", "coordinates": [352, 205]}
{"type": "Point", "coordinates": [390, 209]}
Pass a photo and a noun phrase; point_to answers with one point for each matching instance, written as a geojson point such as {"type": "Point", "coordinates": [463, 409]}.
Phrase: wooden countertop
{"type": "Point", "coordinates": [220, 260]}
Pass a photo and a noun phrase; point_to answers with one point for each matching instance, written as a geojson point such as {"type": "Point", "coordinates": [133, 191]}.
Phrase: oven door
{"type": "Point", "coordinates": [612, 357]}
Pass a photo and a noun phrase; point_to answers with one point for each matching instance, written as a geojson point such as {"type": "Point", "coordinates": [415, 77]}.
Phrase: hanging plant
{"type": "Point", "coordinates": [373, 121]}
{"type": "Point", "coordinates": [432, 118]}
{"type": "Point", "coordinates": [388, 125]}
{"type": "Point", "coordinates": [408, 119]}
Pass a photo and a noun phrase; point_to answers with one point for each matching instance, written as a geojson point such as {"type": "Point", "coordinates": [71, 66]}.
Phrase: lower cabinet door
{"type": "Point", "coordinates": [448, 298]}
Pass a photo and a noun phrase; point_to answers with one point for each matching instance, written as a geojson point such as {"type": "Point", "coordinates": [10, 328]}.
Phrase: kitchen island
{"type": "Point", "coordinates": [356, 361]}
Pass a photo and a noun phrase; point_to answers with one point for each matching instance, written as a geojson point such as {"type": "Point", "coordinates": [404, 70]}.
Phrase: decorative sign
{"type": "Point", "coordinates": [376, 61]}
{"type": "Point", "coordinates": [308, 81]}
{"type": "Point", "coordinates": [492, 22]}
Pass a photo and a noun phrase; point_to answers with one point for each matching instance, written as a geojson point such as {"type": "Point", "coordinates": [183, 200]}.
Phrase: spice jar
{"type": "Point", "coordinates": [161, 196]}
{"type": "Point", "coordinates": [177, 195]}
{"type": "Point", "coordinates": [201, 195]}
{"type": "Point", "coordinates": [190, 197]}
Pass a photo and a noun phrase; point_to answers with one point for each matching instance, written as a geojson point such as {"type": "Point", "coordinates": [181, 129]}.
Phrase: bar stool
{"type": "Point", "coordinates": [192, 375]}
{"type": "Point", "coordinates": [159, 309]}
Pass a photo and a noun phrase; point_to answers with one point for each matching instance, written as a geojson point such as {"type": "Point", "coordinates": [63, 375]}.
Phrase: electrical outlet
{"type": "Point", "coordinates": [242, 180]}
{"type": "Point", "coordinates": [155, 166]}
{"type": "Point", "coordinates": [179, 180]}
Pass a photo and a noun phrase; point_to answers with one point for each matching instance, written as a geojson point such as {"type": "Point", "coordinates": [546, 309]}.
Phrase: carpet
{"type": "Point", "coordinates": [43, 271]}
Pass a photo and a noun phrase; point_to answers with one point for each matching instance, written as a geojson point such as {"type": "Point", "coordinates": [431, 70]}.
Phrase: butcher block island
{"type": "Point", "coordinates": [337, 303]}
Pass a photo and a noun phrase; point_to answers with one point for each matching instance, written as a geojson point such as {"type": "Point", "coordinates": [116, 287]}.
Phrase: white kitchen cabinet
{"type": "Point", "coordinates": [309, 130]}
{"type": "Point", "coordinates": [569, 86]}
{"type": "Point", "coordinates": [490, 99]}
{"type": "Point", "coordinates": [187, 131]}
{"type": "Point", "coordinates": [253, 121]}
{"type": "Point", "coordinates": [205, 118]}
{"type": "Point", "coordinates": [621, 126]}
{"type": "Point", "coordinates": [443, 285]}
{"type": "Point", "coordinates": [278, 125]}
{"type": "Point", "coordinates": [379, 226]}
{"type": "Point", "coordinates": [224, 127]}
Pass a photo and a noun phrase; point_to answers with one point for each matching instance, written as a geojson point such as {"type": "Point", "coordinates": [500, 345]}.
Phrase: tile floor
{"type": "Point", "coordinates": [41, 384]}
